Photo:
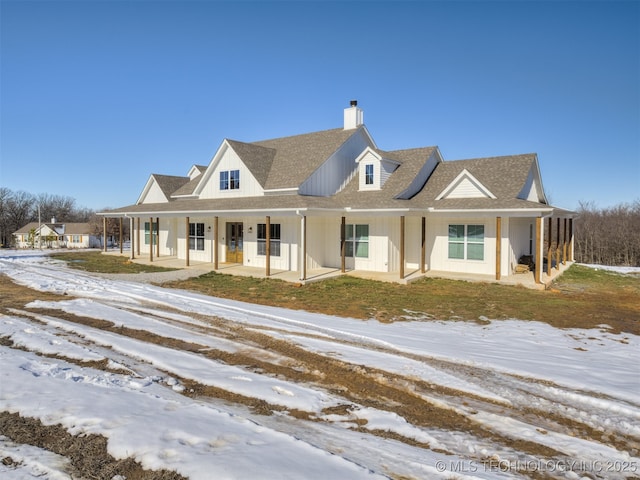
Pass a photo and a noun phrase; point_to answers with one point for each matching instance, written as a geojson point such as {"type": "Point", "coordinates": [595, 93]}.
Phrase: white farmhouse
{"type": "Point", "coordinates": [334, 199]}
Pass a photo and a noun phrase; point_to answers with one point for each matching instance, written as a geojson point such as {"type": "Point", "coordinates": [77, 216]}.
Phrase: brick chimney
{"type": "Point", "coordinates": [353, 116]}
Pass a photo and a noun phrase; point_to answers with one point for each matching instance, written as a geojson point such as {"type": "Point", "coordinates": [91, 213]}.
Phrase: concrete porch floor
{"type": "Point", "coordinates": [313, 275]}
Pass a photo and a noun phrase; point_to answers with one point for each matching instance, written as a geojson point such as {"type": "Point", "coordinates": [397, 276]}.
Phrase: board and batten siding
{"type": "Point", "coordinates": [382, 170]}
{"type": "Point", "coordinates": [323, 242]}
{"type": "Point", "coordinates": [466, 188]}
{"type": "Point", "coordinates": [167, 237]}
{"type": "Point", "coordinates": [227, 161]}
{"type": "Point", "coordinates": [522, 237]}
{"type": "Point", "coordinates": [289, 240]}
{"type": "Point", "coordinates": [154, 195]}
{"type": "Point", "coordinates": [334, 173]}
{"type": "Point", "coordinates": [438, 255]}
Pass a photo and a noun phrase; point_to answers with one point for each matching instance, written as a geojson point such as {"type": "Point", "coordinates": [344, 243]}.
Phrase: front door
{"type": "Point", "coordinates": [234, 242]}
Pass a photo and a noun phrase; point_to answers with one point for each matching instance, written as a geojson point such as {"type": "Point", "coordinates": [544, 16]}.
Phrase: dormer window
{"type": "Point", "coordinates": [373, 169]}
{"type": "Point", "coordinates": [230, 180]}
{"type": "Point", "coordinates": [368, 174]}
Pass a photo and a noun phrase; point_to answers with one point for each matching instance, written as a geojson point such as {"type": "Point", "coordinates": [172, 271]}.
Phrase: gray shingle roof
{"type": "Point", "coordinates": [297, 157]}
{"type": "Point", "coordinates": [287, 162]}
{"type": "Point", "coordinates": [71, 228]}
{"type": "Point", "coordinates": [169, 183]}
{"type": "Point", "coordinates": [258, 159]}
{"type": "Point", "coordinates": [504, 176]}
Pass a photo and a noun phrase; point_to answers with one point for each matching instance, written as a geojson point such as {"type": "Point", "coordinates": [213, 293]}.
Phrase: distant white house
{"type": "Point", "coordinates": [57, 235]}
{"type": "Point", "coordinates": [333, 199]}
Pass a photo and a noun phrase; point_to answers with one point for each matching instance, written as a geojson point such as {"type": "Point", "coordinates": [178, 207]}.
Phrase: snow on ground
{"type": "Point", "coordinates": [585, 376]}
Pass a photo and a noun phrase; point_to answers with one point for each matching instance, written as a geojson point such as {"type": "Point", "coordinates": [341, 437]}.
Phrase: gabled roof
{"type": "Point", "coordinates": [297, 157]}
{"type": "Point", "coordinates": [410, 163]}
{"type": "Point", "coordinates": [71, 228]}
{"type": "Point", "coordinates": [258, 159]}
{"type": "Point", "coordinates": [503, 176]}
{"type": "Point", "coordinates": [169, 183]}
{"type": "Point", "coordinates": [465, 185]}
{"type": "Point", "coordinates": [422, 180]}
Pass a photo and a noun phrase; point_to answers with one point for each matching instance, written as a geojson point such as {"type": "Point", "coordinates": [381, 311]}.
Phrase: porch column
{"type": "Point", "coordinates": [138, 237]}
{"type": "Point", "coordinates": [423, 246]}
{"type": "Point", "coordinates": [104, 234]}
{"type": "Point", "coordinates": [498, 247]}
{"type": "Point", "coordinates": [186, 237]}
{"type": "Point", "coordinates": [215, 243]}
{"type": "Point", "coordinates": [343, 244]}
{"type": "Point", "coordinates": [303, 269]}
{"type": "Point", "coordinates": [151, 239]}
{"type": "Point", "coordinates": [564, 244]}
{"type": "Point", "coordinates": [268, 252]}
{"type": "Point", "coordinates": [549, 246]}
{"type": "Point", "coordinates": [401, 247]}
{"type": "Point", "coordinates": [538, 267]}
{"type": "Point", "coordinates": [131, 230]}
{"type": "Point", "coordinates": [558, 244]}
{"type": "Point", "coordinates": [120, 235]}
{"type": "Point", "coordinates": [157, 237]}
{"type": "Point", "coordinates": [571, 253]}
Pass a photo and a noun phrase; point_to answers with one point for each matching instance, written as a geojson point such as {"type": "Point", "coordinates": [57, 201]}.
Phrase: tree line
{"type": "Point", "coordinates": [18, 208]}
{"type": "Point", "coordinates": [608, 236]}
{"type": "Point", "coordinates": [605, 236]}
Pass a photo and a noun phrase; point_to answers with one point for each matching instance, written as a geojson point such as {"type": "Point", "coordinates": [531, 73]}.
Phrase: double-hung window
{"type": "Point", "coordinates": [230, 180]}
{"type": "Point", "coordinates": [274, 239]}
{"type": "Point", "coordinates": [466, 242]}
{"type": "Point", "coordinates": [356, 241]}
{"type": "Point", "coordinates": [368, 174]}
{"type": "Point", "coordinates": [150, 236]}
{"type": "Point", "coordinates": [196, 236]}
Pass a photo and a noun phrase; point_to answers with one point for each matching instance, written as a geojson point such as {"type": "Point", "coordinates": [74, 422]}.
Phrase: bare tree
{"type": "Point", "coordinates": [17, 209]}
{"type": "Point", "coordinates": [5, 228]}
{"type": "Point", "coordinates": [56, 206]}
{"type": "Point", "coordinates": [20, 210]}
{"type": "Point", "coordinates": [609, 236]}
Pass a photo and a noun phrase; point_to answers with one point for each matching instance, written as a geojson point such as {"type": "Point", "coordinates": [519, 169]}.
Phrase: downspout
{"type": "Point", "coordinates": [303, 246]}
{"type": "Point", "coordinates": [104, 234]}
{"type": "Point", "coordinates": [131, 229]}
{"type": "Point", "coordinates": [120, 232]}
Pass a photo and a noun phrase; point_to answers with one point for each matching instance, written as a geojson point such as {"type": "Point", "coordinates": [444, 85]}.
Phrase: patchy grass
{"type": "Point", "coordinates": [97, 262]}
{"type": "Point", "coordinates": [582, 297]}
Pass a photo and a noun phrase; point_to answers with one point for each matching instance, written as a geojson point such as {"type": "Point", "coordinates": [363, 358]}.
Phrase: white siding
{"type": "Point", "coordinates": [154, 195]}
{"type": "Point", "coordinates": [227, 160]}
{"type": "Point", "coordinates": [180, 241]}
{"type": "Point", "coordinates": [289, 240]}
{"type": "Point", "coordinates": [519, 237]}
{"type": "Point", "coordinates": [369, 159]}
{"type": "Point", "coordinates": [333, 174]}
{"type": "Point", "coordinates": [323, 242]}
{"type": "Point", "coordinates": [438, 233]}
{"type": "Point", "coordinates": [532, 189]}
{"type": "Point", "coordinates": [381, 172]}
{"type": "Point", "coordinates": [422, 177]}
{"type": "Point", "coordinates": [386, 169]}
{"type": "Point", "coordinates": [466, 189]}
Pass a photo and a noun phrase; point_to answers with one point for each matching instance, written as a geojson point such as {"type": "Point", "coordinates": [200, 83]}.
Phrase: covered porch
{"type": "Point", "coordinates": [551, 245]}
{"type": "Point", "coordinates": [526, 280]}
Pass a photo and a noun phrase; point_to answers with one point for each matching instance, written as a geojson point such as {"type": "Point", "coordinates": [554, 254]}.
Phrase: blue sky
{"type": "Point", "coordinates": [97, 95]}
